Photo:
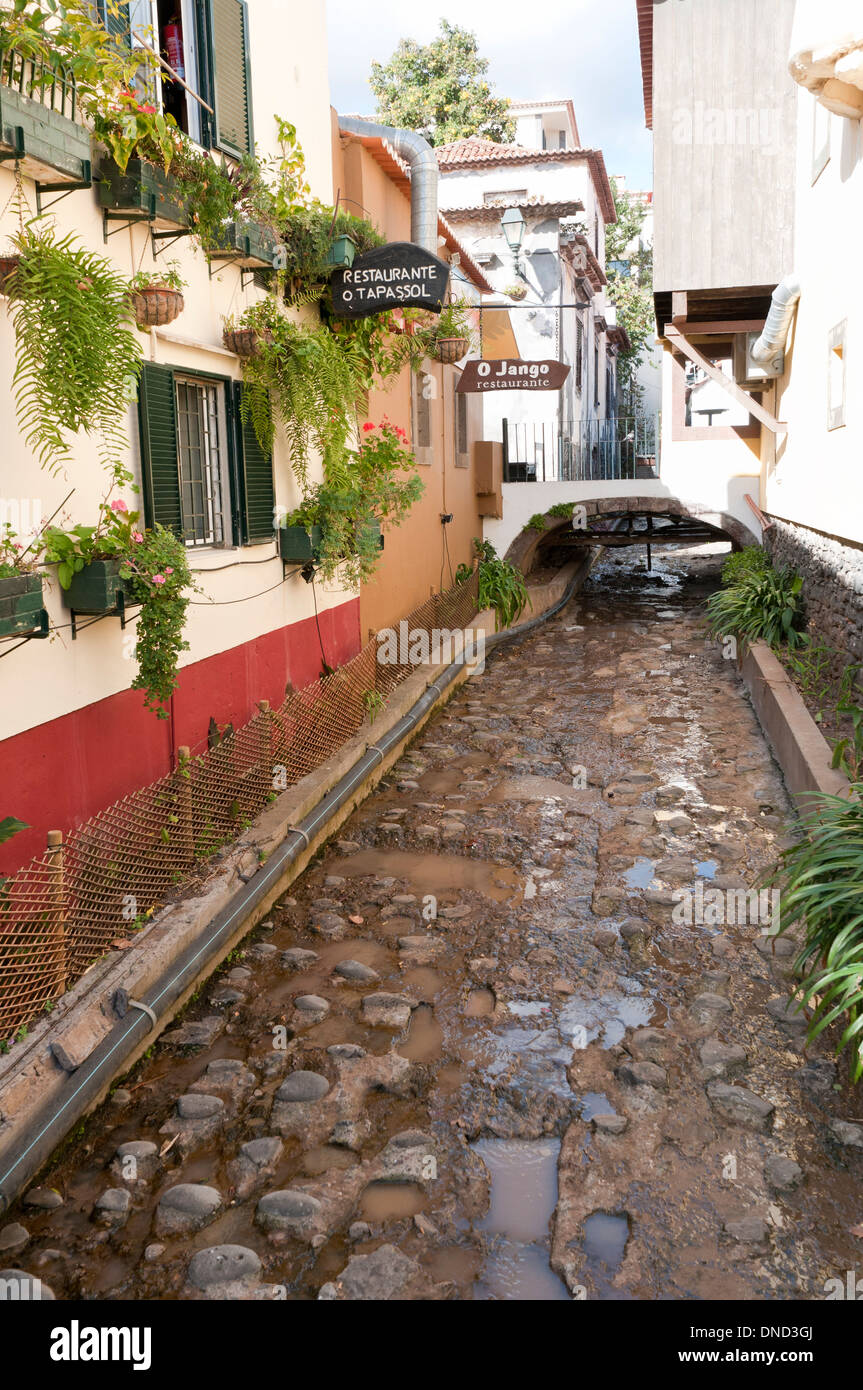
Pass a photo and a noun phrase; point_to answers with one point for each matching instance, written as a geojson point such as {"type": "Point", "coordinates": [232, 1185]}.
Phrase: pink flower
{"type": "Point", "coordinates": [118, 505]}
{"type": "Point", "coordinates": [168, 569]}
{"type": "Point", "coordinates": [147, 110]}
{"type": "Point", "coordinates": [136, 536]}
{"type": "Point", "coordinates": [368, 426]}
{"type": "Point", "coordinates": [158, 579]}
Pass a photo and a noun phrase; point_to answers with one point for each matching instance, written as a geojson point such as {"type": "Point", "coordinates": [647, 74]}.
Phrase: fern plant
{"type": "Point", "coordinates": [501, 585]}
{"type": "Point", "coordinates": [762, 605]}
{"type": "Point", "coordinates": [77, 355]}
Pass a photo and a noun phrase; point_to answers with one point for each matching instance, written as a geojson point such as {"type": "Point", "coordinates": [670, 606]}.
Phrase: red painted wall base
{"type": "Point", "coordinates": [62, 772]}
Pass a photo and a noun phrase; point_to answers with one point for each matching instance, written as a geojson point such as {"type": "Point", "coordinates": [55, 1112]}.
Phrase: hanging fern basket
{"type": "Point", "coordinates": [156, 305]}
{"type": "Point", "coordinates": [451, 350]}
{"type": "Point", "coordinates": [8, 266]}
{"type": "Point", "coordinates": [245, 342]}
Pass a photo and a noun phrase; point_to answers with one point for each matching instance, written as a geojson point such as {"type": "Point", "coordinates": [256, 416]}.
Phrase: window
{"type": "Point", "coordinates": [561, 139]}
{"type": "Point", "coordinates": [596, 374]}
{"type": "Point", "coordinates": [206, 43]}
{"type": "Point", "coordinates": [204, 473]}
{"type": "Point", "coordinates": [836, 376]}
{"type": "Point", "coordinates": [579, 355]}
{"type": "Point", "coordinates": [701, 407]}
{"type": "Point", "coordinates": [461, 429]}
{"type": "Point", "coordinates": [424, 386]}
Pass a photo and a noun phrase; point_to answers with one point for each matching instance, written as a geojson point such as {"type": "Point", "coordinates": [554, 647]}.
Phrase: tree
{"type": "Point", "coordinates": [631, 291]}
{"type": "Point", "coordinates": [440, 89]}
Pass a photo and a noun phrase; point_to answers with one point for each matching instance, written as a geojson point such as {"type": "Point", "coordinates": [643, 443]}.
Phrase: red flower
{"type": "Point", "coordinates": [368, 426]}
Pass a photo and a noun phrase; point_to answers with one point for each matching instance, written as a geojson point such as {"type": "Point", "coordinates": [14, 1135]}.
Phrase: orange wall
{"type": "Point", "coordinates": [417, 558]}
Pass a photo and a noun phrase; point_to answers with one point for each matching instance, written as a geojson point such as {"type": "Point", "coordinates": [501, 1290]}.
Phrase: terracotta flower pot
{"type": "Point", "coordinates": [8, 266]}
{"type": "Point", "coordinates": [245, 342]}
{"type": "Point", "coordinates": [451, 349]}
{"type": "Point", "coordinates": [156, 305]}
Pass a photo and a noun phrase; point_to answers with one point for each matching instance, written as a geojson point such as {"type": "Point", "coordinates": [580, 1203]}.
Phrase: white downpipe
{"type": "Point", "coordinates": [424, 175]}
{"type": "Point", "coordinates": [778, 322]}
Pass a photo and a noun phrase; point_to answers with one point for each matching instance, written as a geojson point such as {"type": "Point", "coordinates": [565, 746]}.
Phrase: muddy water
{"type": "Point", "coordinates": [535, 1114]}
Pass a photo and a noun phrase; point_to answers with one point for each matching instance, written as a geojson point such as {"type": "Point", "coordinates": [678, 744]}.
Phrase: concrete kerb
{"type": "Point", "coordinates": [31, 1078]}
{"type": "Point", "coordinates": [798, 744]}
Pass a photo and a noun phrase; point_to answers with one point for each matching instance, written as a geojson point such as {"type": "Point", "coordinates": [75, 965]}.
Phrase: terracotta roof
{"type": "Point", "coordinates": [483, 153]}
{"type": "Point", "coordinates": [399, 172]}
{"type": "Point", "coordinates": [490, 212]}
{"type": "Point", "coordinates": [645, 40]}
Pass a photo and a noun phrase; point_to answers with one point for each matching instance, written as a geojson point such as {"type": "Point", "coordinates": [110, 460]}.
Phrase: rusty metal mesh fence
{"type": "Point", "coordinates": [65, 908]}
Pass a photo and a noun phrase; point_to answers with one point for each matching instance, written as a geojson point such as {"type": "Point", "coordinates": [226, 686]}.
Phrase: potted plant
{"type": "Point", "coordinates": [248, 335]}
{"type": "Point", "coordinates": [76, 350]}
{"type": "Point", "coordinates": [156, 296]}
{"type": "Point", "coordinates": [453, 335]}
{"type": "Point", "coordinates": [8, 266]}
{"type": "Point", "coordinates": [100, 568]}
{"type": "Point", "coordinates": [342, 251]}
{"type": "Point", "coordinates": [516, 292]}
{"type": "Point", "coordinates": [22, 611]}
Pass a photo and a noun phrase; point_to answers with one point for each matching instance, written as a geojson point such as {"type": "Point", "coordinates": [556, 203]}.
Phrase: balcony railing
{"type": "Point", "coordinates": [51, 85]}
{"type": "Point", "coordinates": [581, 450]}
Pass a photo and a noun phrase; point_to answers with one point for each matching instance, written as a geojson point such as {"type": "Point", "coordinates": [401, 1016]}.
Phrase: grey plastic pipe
{"type": "Point", "coordinates": [106, 1060]}
{"type": "Point", "coordinates": [424, 174]}
{"type": "Point", "coordinates": [778, 321]}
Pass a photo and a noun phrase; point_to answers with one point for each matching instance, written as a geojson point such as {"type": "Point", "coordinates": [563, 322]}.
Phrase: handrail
{"type": "Point", "coordinates": [51, 80]}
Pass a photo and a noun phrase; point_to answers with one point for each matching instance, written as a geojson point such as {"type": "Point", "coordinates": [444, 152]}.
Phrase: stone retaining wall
{"type": "Point", "coordinates": [833, 584]}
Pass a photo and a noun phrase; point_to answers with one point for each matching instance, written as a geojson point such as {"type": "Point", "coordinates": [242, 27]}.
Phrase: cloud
{"type": "Point", "coordinates": [583, 49]}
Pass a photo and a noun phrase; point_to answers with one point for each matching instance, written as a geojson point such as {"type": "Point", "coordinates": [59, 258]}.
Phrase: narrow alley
{"type": "Point", "coordinates": [476, 1053]}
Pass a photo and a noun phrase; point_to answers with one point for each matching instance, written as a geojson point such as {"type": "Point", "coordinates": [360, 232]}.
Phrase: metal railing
{"type": "Point", "coordinates": [538, 451]}
{"type": "Point", "coordinates": [51, 84]}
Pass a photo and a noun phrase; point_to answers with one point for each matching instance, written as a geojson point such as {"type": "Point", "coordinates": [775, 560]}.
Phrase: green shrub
{"type": "Point", "coordinates": [751, 560]}
{"type": "Point", "coordinates": [537, 523]}
{"type": "Point", "coordinates": [821, 883]}
{"type": "Point", "coordinates": [762, 605]}
{"type": "Point", "coordinates": [501, 585]}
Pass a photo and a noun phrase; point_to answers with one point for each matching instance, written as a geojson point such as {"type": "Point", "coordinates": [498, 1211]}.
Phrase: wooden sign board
{"type": "Point", "coordinates": [398, 276]}
{"type": "Point", "coordinates": [512, 374]}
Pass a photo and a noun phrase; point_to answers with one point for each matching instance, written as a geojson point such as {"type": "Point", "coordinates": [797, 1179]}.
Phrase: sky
{"type": "Point", "coordinates": [583, 49]}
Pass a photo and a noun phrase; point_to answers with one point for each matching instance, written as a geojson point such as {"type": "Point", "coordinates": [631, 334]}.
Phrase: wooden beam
{"type": "Point", "coordinates": [724, 326]}
{"type": "Point", "coordinates": [678, 306]}
{"type": "Point", "coordinates": [730, 387]}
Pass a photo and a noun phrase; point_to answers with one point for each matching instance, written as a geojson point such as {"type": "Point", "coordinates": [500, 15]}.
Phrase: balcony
{"type": "Point", "coordinates": [39, 126]}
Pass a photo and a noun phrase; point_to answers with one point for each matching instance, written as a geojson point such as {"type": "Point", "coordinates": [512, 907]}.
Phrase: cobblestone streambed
{"type": "Point", "coordinates": [473, 1054]}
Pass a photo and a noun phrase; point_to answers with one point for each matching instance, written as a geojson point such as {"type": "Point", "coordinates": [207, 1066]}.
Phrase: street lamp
{"type": "Point", "coordinates": [513, 225]}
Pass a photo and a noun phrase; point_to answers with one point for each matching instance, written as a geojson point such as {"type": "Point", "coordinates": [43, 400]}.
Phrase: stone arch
{"type": "Point", "coordinates": [523, 549]}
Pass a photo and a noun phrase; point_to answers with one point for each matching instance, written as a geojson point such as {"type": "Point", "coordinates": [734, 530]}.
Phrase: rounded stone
{"type": "Point", "coordinates": [609, 1124]}
{"type": "Point", "coordinates": [311, 1004]}
{"type": "Point", "coordinates": [346, 1052]}
{"type": "Point", "coordinates": [153, 1251]}
{"type": "Point", "coordinates": [293, 1212]}
{"type": "Point", "coordinates": [297, 959]}
{"type": "Point", "coordinates": [783, 1174]}
{"type": "Point", "coordinates": [198, 1107]}
{"type": "Point", "coordinates": [44, 1198]}
{"type": "Point", "coordinates": [13, 1238]}
{"type": "Point", "coordinates": [224, 1264]}
{"type": "Point", "coordinates": [186, 1207]}
{"type": "Point", "coordinates": [262, 1151]}
{"type": "Point", "coordinates": [303, 1086]}
{"type": "Point", "coordinates": [113, 1206]}
{"type": "Point", "coordinates": [355, 970]}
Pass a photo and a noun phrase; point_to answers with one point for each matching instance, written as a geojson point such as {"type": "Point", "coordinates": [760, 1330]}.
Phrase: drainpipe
{"type": "Point", "coordinates": [424, 174]}
{"type": "Point", "coordinates": [772, 340]}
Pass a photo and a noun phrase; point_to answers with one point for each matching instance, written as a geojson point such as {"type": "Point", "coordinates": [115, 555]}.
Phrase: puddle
{"type": "Point", "coordinates": [480, 1003]}
{"type": "Point", "coordinates": [641, 874]}
{"type": "Point", "coordinates": [607, 1016]}
{"type": "Point", "coordinates": [438, 873]}
{"type": "Point", "coordinates": [707, 868]}
{"type": "Point", "coordinates": [595, 1103]}
{"type": "Point", "coordinates": [318, 1160]}
{"type": "Point", "coordinates": [392, 1201]}
{"type": "Point", "coordinates": [604, 1241]}
{"type": "Point", "coordinates": [425, 1036]}
{"type": "Point", "coordinates": [523, 1197]}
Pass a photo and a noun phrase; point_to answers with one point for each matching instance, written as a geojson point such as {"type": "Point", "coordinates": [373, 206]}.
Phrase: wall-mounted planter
{"type": "Point", "coordinates": [245, 342]}
{"type": "Point", "coordinates": [50, 143]}
{"type": "Point", "coordinates": [99, 588]}
{"type": "Point", "coordinates": [451, 350]}
{"type": "Point", "coordinates": [21, 606]}
{"type": "Point", "coordinates": [247, 244]}
{"type": "Point", "coordinates": [298, 545]}
{"type": "Point", "coordinates": [8, 266]}
{"type": "Point", "coordinates": [156, 305]}
{"type": "Point", "coordinates": [341, 253]}
{"type": "Point", "coordinates": [144, 192]}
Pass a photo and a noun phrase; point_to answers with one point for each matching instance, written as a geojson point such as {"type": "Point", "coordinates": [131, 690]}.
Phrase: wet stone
{"type": "Point", "coordinates": [356, 971]}
{"type": "Point", "coordinates": [387, 1011]}
{"type": "Point", "coordinates": [782, 1174]}
{"type": "Point", "coordinates": [43, 1198]}
{"type": "Point", "coordinates": [609, 1124]}
{"type": "Point", "coordinates": [330, 925]}
{"type": "Point", "coordinates": [226, 998]}
{"type": "Point", "coordinates": [13, 1238]}
{"type": "Point", "coordinates": [303, 1086]}
{"type": "Point", "coordinates": [153, 1252]}
{"type": "Point", "coordinates": [346, 1052]}
{"type": "Point", "coordinates": [779, 946]}
{"type": "Point", "coordinates": [786, 1013]}
{"type": "Point", "coordinates": [847, 1134]}
{"type": "Point", "coordinates": [312, 1005]}
{"type": "Point", "coordinates": [262, 951]}
{"type": "Point", "coordinates": [199, 1107]}
{"type": "Point", "coordinates": [377, 1277]}
{"type": "Point", "coordinates": [297, 959]}
{"type": "Point", "coordinates": [200, 1032]}
{"type": "Point", "coordinates": [749, 1230]}
{"type": "Point", "coordinates": [741, 1107]}
{"type": "Point", "coordinates": [186, 1207]}
{"type": "Point", "coordinates": [113, 1207]}
{"type": "Point", "coordinates": [224, 1270]}
{"type": "Point", "coordinates": [136, 1161]}
{"type": "Point", "coordinates": [642, 1074]}
{"type": "Point", "coordinates": [295, 1213]}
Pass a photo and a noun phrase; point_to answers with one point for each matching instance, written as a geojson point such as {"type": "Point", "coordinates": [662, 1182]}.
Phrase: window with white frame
{"type": "Point", "coordinates": [202, 456]}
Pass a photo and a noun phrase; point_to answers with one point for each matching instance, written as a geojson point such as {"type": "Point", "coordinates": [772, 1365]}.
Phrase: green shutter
{"type": "Point", "coordinates": [230, 87]}
{"type": "Point", "coordinates": [160, 469]}
{"type": "Point", "coordinates": [257, 491]}
{"type": "Point", "coordinates": [114, 14]}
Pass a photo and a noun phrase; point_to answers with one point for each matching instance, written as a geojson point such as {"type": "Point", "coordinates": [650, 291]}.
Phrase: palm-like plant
{"type": "Point", "coordinates": [821, 881]}
{"type": "Point", "coordinates": [760, 604]}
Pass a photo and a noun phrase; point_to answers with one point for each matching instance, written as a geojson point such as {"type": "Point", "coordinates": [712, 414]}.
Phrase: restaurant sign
{"type": "Point", "coordinates": [398, 276]}
{"type": "Point", "coordinates": [512, 374]}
